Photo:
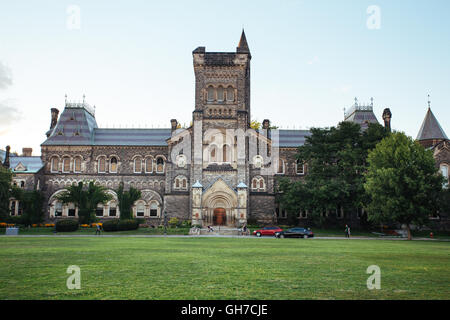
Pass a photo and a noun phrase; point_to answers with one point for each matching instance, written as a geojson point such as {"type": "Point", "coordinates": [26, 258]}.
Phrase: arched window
{"type": "Point", "coordinates": [184, 184]}
{"type": "Point", "coordinates": [177, 183]}
{"type": "Point", "coordinates": [138, 165]}
{"type": "Point", "coordinates": [261, 183]}
{"type": "Point", "coordinates": [148, 165]}
{"type": "Point", "coordinates": [140, 209]}
{"type": "Point", "coordinates": [220, 93]}
{"type": "Point", "coordinates": [300, 167]}
{"type": "Point", "coordinates": [113, 165]}
{"type": "Point", "coordinates": [154, 209]}
{"type": "Point", "coordinates": [102, 165]}
{"type": "Point", "coordinates": [160, 165]}
{"type": "Point", "coordinates": [54, 164]}
{"type": "Point", "coordinates": [112, 209]}
{"type": "Point", "coordinates": [211, 93]}
{"type": "Point", "coordinates": [66, 164]}
{"type": "Point", "coordinates": [58, 209]}
{"type": "Point", "coordinates": [254, 184]}
{"type": "Point", "coordinates": [77, 164]}
{"type": "Point", "coordinates": [230, 94]}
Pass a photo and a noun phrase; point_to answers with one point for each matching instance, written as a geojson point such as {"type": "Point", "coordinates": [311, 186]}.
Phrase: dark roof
{"type": "Point", "coordinates": [362, 117]}
{"type": "Point", "coordinates": [75, 127]}
{"type": "Point", "coordinates": [431, 129]}
{"type": "Point", "coordinates": [31, 164]}
{"type": "Point", "coordinates": [131, 137]}
{"type": "Point", "coordinates": [292, 138]}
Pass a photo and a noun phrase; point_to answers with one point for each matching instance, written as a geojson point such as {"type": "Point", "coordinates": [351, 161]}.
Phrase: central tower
{"type": "Point", "coordinates": [220, 120]}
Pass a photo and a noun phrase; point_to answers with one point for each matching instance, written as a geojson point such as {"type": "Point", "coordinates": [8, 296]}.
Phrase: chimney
{"type": "Point", "coordinates": [266, 124]}
{"type": "Point", "coordinates": [387, 116]}
{"type": "Point", "coordinates": [54, 120]}
{"type": "Point", "coordinates": [27, 152]}
{"type": "Point", "coordinates": [174, 124]}
{"type": "Point", "coordinates": [6, 162]}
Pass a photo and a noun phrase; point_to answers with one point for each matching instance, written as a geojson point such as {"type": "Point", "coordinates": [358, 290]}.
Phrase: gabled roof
{"type": "Point", "coordinates": [431, 129]}
{"type": "Point", "coordinates": [25, 164]}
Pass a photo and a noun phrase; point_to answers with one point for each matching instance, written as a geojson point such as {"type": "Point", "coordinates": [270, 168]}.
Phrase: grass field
{"type": "Point", "coordinates": [222, 268]}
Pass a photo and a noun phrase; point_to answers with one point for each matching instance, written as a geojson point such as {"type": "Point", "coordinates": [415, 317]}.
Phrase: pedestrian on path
{"type": "Point", "coordinates": [347, 231]}
{"type": "Point", "coordinates": [98, 230]}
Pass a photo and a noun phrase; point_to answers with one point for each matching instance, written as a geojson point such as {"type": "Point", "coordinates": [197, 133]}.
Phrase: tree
{"type": "Point", "coordinates": [336, 161]}
{"type": "Point", "coordinates": [86, 199]}
{"type": "Point", "coordinates": [5, 191]}
{"type": "Point", "coordinates": [402, 182]}
{"type": "Point", "coordinates": [126, 201]}
{"type": "Point", "coordinates": [32, 204]}
{"type": "Point", "coordinates": [255, 125]}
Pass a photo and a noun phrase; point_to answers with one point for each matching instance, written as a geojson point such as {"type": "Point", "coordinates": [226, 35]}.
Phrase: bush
{"type": "Point", "coordinates": [14, 220]}
{"type": "Point", "coordinates": [173, 222]}
{"type": "Point", "coordinates": [120, 225]}
{"type": "Point", "coordinates": [67, 225]}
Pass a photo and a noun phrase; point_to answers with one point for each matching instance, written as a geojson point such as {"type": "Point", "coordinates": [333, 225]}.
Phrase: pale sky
{"type": "Point", "coordinates": [133, 60]}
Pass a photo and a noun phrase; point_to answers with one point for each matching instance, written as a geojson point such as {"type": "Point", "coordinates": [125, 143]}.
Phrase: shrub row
{"type": "Point", "coordinates": [120, 225]}
{"type": "Point", "coordinates": [66, 225]}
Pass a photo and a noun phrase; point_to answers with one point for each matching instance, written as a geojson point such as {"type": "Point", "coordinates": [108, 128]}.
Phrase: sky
{"type": "Point", "coordinates": [133, 60]}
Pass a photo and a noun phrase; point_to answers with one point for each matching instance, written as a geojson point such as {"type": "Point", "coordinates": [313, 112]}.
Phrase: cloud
{"type": "Point", "coordinates": [314, 60]}
{"type": "Point", "coordinates": [9, 114]}
{"type": "Point", "coordinates": [5, 76]}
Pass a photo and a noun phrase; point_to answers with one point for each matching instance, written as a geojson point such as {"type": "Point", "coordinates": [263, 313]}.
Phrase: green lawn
{"type": "Point", "coordinates": [222, 268]}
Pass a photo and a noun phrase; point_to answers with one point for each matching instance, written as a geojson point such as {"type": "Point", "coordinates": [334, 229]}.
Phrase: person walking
{"type": "Point", "coordinates": [98, 230]}
{"type": "Point", "coordinates": [347, 231]}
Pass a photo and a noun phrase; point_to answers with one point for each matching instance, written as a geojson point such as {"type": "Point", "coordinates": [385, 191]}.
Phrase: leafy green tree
{"type": "Point", "coordinates": [5, 191]}
{"type": "Point", "coordinates": [86, 199]}
{"type": "Point", "coordinates": [32, 204]}
{"type": "Point", "coordinates": [336, 160]}
{"type": "Point", "coordinates": [126, 201]}
{"type": "Point", "coordinates": [403, 183]}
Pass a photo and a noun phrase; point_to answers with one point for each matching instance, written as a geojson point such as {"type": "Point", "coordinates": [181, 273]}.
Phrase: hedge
{"type": "Point", "coordinates": [120, 225]}
{"type": "Point", "coordinates": [66, 225]}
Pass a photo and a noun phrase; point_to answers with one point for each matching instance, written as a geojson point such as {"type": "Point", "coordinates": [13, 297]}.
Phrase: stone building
{"type": "Point", "coordinates": [218, 171]}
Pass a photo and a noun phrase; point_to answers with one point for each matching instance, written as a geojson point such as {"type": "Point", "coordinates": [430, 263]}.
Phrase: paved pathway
{"type": "Point", "coordinates": [207, 236]}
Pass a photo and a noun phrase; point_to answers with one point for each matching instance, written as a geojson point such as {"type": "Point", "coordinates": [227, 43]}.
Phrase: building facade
{"type": "Point", "coordinates": [218, 171]}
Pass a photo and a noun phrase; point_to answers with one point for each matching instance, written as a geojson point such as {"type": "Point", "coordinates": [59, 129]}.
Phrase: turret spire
{"type": "Point", "coordinates": [243, 45]}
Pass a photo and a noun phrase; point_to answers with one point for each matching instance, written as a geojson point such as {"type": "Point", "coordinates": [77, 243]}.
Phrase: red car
{"type": "Point", "coordinates": [267, 231]}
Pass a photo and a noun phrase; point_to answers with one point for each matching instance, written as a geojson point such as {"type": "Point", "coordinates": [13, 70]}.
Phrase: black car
{"type": "Point", "coordinates": [295, 233]}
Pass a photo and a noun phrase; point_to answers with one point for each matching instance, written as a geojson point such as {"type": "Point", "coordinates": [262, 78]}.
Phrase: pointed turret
{"type": "Point", "coordinates": [243, 45]}
{"type": "Point", "coordinates": [431, 129]}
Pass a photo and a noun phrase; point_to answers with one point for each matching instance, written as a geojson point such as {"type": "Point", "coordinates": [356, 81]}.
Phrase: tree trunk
{"type": "Point", "coordinates": [409, 231]}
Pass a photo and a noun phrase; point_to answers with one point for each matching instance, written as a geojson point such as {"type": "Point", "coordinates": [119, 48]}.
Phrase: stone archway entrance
{"type": "Point", "coordinates": [220, 217]}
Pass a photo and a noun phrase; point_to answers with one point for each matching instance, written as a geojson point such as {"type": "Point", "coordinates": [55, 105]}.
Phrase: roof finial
{"type": "Point", "coordinates": [356, 101]}
{"type": "Point", "coordinates": [84, 97]}
{"type": "Point", "coordinates": [429, 102]}
{"type": "Point", "coordinates": [371, 101]}
{"type": "Point", "coordinates": [65, 100]}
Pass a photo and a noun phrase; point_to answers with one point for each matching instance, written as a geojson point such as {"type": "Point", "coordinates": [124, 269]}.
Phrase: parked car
{"type": "Point", "coordinates": [267, 231]}
{"type": "Point", "coordinates": [295, 233]}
